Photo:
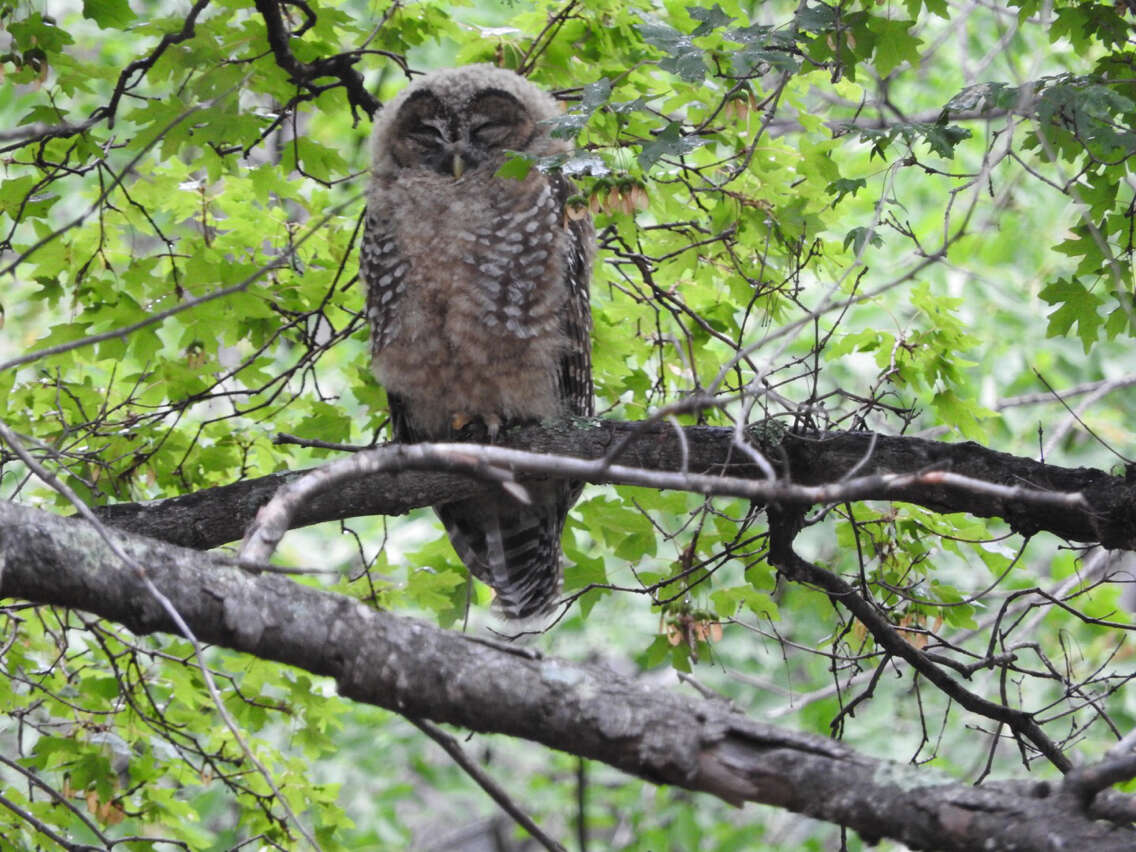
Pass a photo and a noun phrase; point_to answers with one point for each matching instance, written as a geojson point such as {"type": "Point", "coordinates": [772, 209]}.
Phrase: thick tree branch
{"type": "Point", "coordinates": [505, 466]}
{"type": "Point", "coordinates": [425, 672]}
{"type": "Point", "coordinates": [218, 515]}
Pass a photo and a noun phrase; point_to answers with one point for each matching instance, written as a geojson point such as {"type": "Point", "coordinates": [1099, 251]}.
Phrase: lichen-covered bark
{"type": "Point", "coordinates": [422, 671]}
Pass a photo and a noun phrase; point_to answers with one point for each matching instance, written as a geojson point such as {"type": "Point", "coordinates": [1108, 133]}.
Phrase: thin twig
{"type": "Point", "coordinates": [782, 528]}
{"type": "Point", "coordinates": [58, 797]}
{"type": "Point", "coordinates": [109, 188]}
{"type": "Point", "coordinates": [280, 263]}
{"type": "Point", "coordinates": [139, 570]}
{"type": "Point", "coordinates": [451, 747]}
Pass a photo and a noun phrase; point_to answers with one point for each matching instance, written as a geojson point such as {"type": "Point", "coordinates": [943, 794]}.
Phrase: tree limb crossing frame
{"type": "Point", "coordinates": [423, 671]}
{"type": "Point", "coordinates": [1107, 515]}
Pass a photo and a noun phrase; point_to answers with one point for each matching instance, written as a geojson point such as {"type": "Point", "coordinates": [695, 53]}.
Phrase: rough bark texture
{"type": "Point", "coordinates": [425, 672]}
{"type": "Point", "coordinates": [218, 515]}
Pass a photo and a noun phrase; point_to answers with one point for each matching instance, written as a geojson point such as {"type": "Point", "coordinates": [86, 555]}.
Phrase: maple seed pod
{"type": "Point", "coordinates": [596, 203]}
{"type": "Point", "coordinates": [639, 197]}
{"type": "Point", "coordinates": [627, 197]}
{"type": "Point", "coordinates": [195, 355]}
{"type": "Point", "coordinates": [576, 208]}
{"type": "Point", "coordinates": [624, 203]}
{"type": "Point", "coordinates": [740, 106]}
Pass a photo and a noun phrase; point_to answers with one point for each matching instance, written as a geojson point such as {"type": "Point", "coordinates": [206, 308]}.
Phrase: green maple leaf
{"type": "Point", "coordinates": [1077, 306]}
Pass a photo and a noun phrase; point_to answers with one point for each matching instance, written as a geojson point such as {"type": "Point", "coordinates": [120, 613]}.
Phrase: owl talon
{"type": "Point", "coordinates": [460, 421]}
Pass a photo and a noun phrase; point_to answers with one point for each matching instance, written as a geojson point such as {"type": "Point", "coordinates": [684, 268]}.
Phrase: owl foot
{"type": "Point", "coordinates": [461, 422]}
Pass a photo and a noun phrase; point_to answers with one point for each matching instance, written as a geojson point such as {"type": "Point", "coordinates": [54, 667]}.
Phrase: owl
{"type": "Point", "coordinates": [477, 299]}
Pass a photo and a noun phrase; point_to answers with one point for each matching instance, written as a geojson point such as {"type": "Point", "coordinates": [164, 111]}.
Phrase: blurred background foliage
{"type": "Point", "coordinates": [911, 217]}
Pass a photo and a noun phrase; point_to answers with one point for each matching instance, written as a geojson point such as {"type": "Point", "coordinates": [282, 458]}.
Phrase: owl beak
{"type": "Point", "coordinates": [459, 165]}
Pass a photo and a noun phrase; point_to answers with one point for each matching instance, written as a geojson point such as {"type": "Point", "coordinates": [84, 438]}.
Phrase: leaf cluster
{"type": "Point", "coordinates": [815, 215]}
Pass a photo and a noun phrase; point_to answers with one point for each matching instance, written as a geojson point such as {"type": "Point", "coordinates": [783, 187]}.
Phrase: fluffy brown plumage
{"type": "Point", "coordinates": [477, 296]}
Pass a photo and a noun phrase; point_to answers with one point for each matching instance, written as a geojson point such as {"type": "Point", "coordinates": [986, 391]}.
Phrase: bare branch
{"type": "Point", "coordinates": [218, 515]}
{"type": "Point", "coordinates": [304, 74]}
{"type": "Point", "coordinates": [783, 527]}
{"type": "Point", "coordinates": [501, 465]}
{"type": "Point", "coordinates": [138, 569]}
{"type": "Point", "coordinates": [451, 747]}
{"type": "Point", "coordinates": [188, 304]}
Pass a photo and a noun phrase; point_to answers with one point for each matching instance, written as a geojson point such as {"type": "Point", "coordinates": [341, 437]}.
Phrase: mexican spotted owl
{"type": "Point", "coordinates": [477, 297]}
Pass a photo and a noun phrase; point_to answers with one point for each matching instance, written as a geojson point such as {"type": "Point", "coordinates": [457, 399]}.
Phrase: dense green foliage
{"type": "Point", "coordinates": [883, 215]}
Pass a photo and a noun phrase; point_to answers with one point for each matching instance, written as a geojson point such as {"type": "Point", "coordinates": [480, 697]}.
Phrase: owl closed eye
{"type": "Point", "coordinates": [448, 139]}
{"type": "Point", "coordinates": [498, 120]}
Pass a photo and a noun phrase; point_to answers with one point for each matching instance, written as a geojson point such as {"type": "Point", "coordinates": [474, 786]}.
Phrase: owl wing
{"type": "Point", "coordinates": [384, 271]}
{"type": "Point", "coordinates": [576, 365]}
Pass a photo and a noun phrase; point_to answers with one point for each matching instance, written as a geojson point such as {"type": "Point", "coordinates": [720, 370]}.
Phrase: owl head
{"type": "Point", "coordinates": [459, 120]}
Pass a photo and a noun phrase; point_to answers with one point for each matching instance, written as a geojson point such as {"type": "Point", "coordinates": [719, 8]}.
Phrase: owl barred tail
{"type": "Point", "coordinates": [513, 547]}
